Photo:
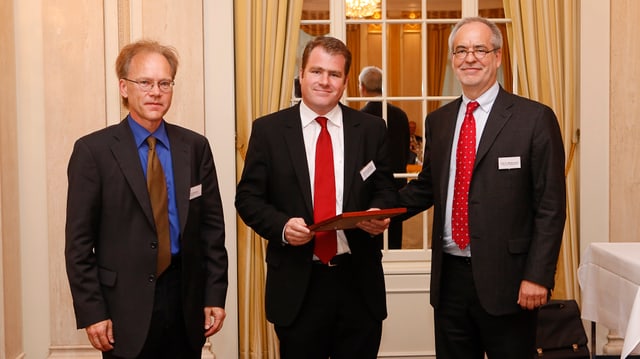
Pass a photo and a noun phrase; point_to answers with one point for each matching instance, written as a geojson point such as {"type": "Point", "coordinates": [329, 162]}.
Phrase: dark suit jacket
{"type": "Point", "coordinates": [275, 186]}
{"type": "Point", "coordinates": [516, 216]}
{"type": "Point", "coordinates": [111, 241]}
{"type": "Point", "coordinates": [397, 132]}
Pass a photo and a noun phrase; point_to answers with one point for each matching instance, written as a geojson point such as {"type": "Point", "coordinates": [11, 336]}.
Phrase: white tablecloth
{"type": "Point", "coordinates": [609, 276]}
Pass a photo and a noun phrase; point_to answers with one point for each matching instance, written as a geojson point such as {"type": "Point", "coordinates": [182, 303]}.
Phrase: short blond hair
{"type": "Point", "coordinates": [129, 51]}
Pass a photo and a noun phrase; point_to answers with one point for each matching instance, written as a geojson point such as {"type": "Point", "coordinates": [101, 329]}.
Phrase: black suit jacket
{"type": "Point", "coordinates": [275, 186]}
{"type": "Point", "coordinates": [516, 216]}
{"type": "Point", "coordinates": [111, 241]}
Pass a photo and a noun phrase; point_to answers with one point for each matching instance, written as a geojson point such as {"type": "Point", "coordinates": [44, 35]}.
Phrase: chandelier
{"type": "Point", "coordinates": [361, 8]}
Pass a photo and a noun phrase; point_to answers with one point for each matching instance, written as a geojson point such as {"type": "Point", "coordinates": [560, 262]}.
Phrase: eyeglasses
{"type": "Point", "coordinates": [147, 85]}
{"type": "Point", "coordinates": [478, 53]}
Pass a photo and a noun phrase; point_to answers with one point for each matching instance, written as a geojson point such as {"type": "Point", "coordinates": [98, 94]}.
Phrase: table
{"type": "Point", "coordinates": [609, 276]}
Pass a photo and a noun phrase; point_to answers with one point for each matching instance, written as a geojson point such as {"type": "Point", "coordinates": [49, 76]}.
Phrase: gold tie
{"type": "Point", "coordinates": [157, 187]}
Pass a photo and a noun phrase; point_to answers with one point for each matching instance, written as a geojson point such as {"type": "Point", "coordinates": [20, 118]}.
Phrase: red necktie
{"type": "Point", "coordinates": [324, 194]}
{"type": "Point", "coordinates": [465, 157]}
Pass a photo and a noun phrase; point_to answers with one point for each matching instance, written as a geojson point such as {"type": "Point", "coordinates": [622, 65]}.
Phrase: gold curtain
{"type": "Point", "coordinates": [353, 40]}
{"type": "Point", "coordinates": [544, 35]}
{"type": "Point", "coordinates": [507, 71]}
{"type": "Point", "coordinates": [266, 40]}
{"type": "Point", "coordinates": [437, 50]}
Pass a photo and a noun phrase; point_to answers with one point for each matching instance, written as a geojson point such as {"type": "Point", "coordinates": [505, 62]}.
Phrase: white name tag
{"type": "Point", "coordinates": [508, 163]}
{"type": "Point", "coordinates": [195, 192]}
{"type": "Point", "coordinates": [367, 170]}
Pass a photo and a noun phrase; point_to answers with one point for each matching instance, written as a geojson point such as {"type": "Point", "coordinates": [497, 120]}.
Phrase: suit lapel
{"type": "Point", "coordinates": [498, 117]}
{"type": "Point", "coordinates": [352, 139]}
{"type": "Point", "coordinates": [292, 131]}
{"type": "Point", "coordinates": [445, 136]}
{"type": "Point", "coordinates": [126, 154]}
{"type": "Point", "coordinates": [181, 162]}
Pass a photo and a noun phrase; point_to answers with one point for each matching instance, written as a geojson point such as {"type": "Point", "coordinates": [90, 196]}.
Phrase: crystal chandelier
{"type": "Point", "coordinates": [361, 8]}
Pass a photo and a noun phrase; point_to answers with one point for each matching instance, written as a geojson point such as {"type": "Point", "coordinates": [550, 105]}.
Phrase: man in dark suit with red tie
{"type": "Point", "coordinates": [494, 172]}
{"type": "Point", "coordinates": [147, 266]}
{"type": "Point", "coordinates": [325, 291]}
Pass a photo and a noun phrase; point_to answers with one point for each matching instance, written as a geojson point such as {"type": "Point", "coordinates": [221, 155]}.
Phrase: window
{"type": "Point", "coordinates": [408, 40]}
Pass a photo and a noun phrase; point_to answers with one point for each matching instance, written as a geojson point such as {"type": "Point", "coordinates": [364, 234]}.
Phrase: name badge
{"type": "Point", "coordinates": [367, 170]}
{"type": "Point", "coordinates": [508, 163]}
{"type": "Point", "coordinates": [195, 192]}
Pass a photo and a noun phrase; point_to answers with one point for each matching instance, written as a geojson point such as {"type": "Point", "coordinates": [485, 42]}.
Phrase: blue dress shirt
{"type": "Point", "coordinates": [163, 149]}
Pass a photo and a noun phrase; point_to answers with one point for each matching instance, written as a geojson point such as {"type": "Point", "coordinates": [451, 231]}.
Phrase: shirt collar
{"type": "Point", "coordinates": [308, 116]}
{"type": "Point", "coordinates": [486, 100]}
{"type": "Point", "coordinates": [140, 133]}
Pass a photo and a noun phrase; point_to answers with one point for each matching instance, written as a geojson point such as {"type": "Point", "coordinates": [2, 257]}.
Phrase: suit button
{"type": "Point", "coordinates": [154, 245]}
{"type": "Point", "coordinates": [152, 277]}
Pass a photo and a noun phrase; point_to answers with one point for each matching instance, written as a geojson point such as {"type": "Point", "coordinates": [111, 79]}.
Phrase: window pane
{"type": "Point", "coordinates": [413, 109]}
{"type": "Point", "coordinates": [491, 9]}
{"type": "Point", "coordinates": [365, 43]}
{"type": "Point", "coordinates": [437, 57]}
{"type": "Point", "coordinates": [315, 10]}
{"type": "Point", "coordinates": [404, 65]}
{"type": "Point", "coordinates": [309, 31]}
{"type": "Point", "coordinates": [444, 9]}
{"type": "Point", "coordinates": [403, 9]}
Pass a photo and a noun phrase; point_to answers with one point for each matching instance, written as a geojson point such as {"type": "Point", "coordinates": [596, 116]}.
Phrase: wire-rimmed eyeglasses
{"type": "Point", "coordinates": [147, 85]}
{"type": "Point", "coordinates": [479, 54]}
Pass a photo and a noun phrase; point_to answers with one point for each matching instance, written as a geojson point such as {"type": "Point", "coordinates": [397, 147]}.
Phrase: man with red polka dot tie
{"type": "Point", "coordinates": [494, 173]}
{"type": "Point", "coordinates": [465, 157]}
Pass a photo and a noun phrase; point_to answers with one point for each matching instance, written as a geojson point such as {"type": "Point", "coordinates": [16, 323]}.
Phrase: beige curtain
{"type": "Point", "coordinates": [266, 40]}
{"type": "Point", "coordinates": [355, 33]}
{"type": "Point", "coordinates": [544, 39]}
{"type": "Point", "coordinates": [437, 48]}
{"type": "Point", "coordinates": [507, 70]}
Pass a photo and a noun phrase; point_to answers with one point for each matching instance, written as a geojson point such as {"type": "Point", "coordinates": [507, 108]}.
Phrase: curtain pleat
{"type": "Point", "coordinates": [354, 37]}
{"type": "Point", "coordinates": [437, 50]}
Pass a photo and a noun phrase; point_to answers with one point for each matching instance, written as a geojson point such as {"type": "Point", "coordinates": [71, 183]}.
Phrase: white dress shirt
{"type": "Point", "coordinates": [481, 114]}
{"type": "Point", "coordinates": [310, 131]}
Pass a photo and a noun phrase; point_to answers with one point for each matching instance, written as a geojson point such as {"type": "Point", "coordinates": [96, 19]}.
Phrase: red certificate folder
{"type": "Point", "coordinates": [348, 220]}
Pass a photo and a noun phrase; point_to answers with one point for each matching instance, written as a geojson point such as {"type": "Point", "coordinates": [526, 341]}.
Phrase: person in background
{"type": "Point", "coordinates": [325, 291]}
{"type": "Point", "coordinates": [145, 253]}
{"type": "Point", "coordinates": [415, 145]}
{"type": "Point", "coordinates": [398, 136]}
{"type": "Point", "coordinates": [494, 172]}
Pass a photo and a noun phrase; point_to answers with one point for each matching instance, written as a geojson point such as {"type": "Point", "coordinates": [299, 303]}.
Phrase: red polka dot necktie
{"type": "Point", "coordinates": [465, 157]}
{"type": "Point", "coordinates": [324, 194]}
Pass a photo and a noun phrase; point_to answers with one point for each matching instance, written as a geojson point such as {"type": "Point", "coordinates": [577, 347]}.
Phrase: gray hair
{"type": "Point", "coordinates": [371, 79]}
{"type": "Point", "coordinates": [496, 37]}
